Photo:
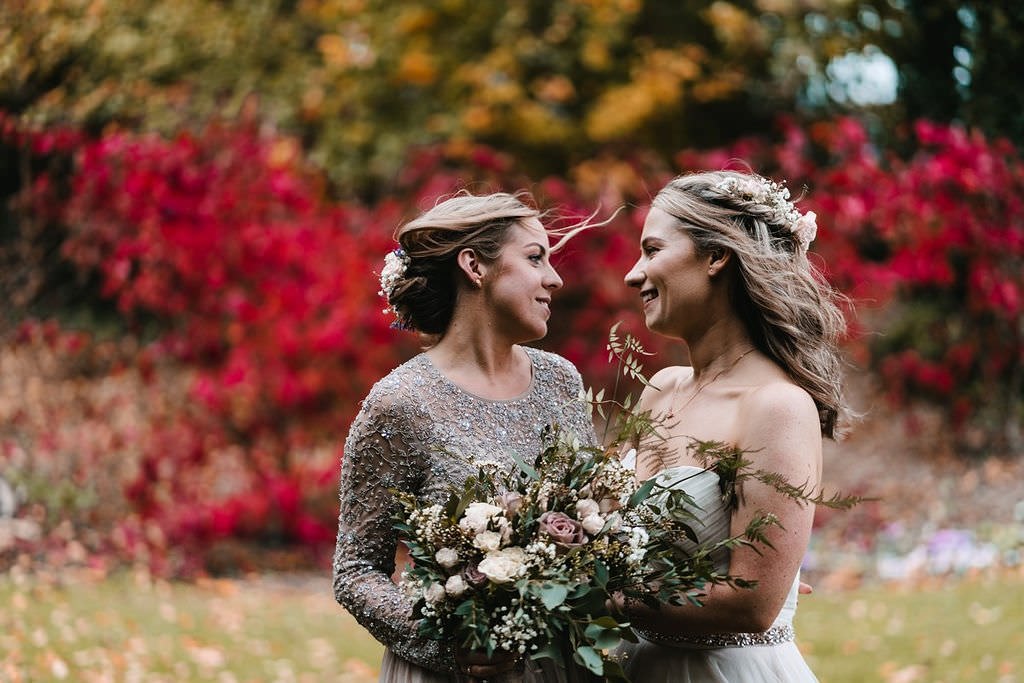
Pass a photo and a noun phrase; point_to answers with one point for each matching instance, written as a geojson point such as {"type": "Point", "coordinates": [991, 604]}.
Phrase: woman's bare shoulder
{"type": "Point", "coordinates": [778, 408]}
{"type": "Point", "coordinates": [664, 381]}
{"type": "Point", "coordinates": [667, 378]}
{"type": "Point", "coordinates": [778, 397]}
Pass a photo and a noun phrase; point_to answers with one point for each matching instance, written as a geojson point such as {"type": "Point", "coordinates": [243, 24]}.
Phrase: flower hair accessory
{"type": "Point", "coordinates": [803, 226]}
{"type": "Point", "coordinates": [395, 264]}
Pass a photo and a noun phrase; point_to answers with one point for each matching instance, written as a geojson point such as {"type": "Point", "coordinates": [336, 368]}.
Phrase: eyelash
{"type": "Point", "coordinates": [649, 251]}
{"type": "Point", "coordinates": [536, 258]}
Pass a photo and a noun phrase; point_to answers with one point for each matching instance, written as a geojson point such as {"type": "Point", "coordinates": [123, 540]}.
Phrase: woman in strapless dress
{"type": "Point", "coordinates": [723, 268]}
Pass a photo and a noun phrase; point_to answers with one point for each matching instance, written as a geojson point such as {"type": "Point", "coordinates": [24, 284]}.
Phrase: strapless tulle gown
{"type": "Point", "coordinates": [768, 657]}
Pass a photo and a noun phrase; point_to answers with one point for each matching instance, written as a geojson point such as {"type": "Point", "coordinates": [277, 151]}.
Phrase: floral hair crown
{"type": "Point", "coordinates": [803, 226]}
{"type": "Point", "coordinates": [395, 264]}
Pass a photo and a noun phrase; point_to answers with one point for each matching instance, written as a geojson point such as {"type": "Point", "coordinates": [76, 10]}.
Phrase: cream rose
{"type": "Point", "coordinates": [434, 594]}
{"type": "Point", "coordinates": [477, 516]}
{"type": "Point", "coordinates": [447, 557]}
{"type": "Point", "coordinates": [455, 585]}
{"type": "Point", "coordinates": [587, 507]}
{"type": "Point", "coordinates": [503, 566]}
{"type": "Point", "coordinates": [487, 541]}
{"type": "Point", "coordinates": [593, 523]}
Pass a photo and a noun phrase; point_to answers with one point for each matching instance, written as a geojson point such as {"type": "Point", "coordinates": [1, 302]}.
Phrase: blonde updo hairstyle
{"type": "Point", "coordinates": [424, 298]}
{"type": "Point", "coordinates": [790, 311]}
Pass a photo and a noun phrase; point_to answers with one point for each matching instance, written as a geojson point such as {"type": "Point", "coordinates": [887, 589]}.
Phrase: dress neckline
{"type": "Point", "coordinates": [670, 472]}
{"type": "Point", "coordinates": [497, 401]}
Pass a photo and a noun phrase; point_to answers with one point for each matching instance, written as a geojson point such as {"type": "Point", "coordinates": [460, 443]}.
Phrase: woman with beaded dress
{"type": "Point", "coordinates": [723, 268]}
{"type": "Point", "coordinates": [474, 274]}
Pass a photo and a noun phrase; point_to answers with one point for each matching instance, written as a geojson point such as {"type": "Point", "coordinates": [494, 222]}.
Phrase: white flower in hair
{"type": "Point", "coordinates": [395, 264]}
{"type": "Point", "coordinates": [805, 229]}
{"type": "Point", "coordinates": [776, 196]}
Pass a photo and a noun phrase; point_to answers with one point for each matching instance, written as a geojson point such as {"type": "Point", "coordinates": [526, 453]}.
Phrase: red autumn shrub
{"type": "Point", "coordinates": [938, 238]}
{"type": "Point", "coordinates": [258, 285]}
{"type": "Point", "coordinates": [245, 275]}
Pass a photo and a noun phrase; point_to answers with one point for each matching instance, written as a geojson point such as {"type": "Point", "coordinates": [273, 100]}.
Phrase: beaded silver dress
{"type": "Point", "coordinates": [768, 657]}
{"type": "Point", "coordinates": [403, 437]}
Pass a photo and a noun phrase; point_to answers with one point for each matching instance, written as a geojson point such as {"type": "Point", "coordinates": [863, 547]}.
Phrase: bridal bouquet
{"type": "Point", "coordinates": [528, 561]}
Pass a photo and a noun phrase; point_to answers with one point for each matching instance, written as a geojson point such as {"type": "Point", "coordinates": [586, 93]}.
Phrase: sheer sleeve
{"type": "Point", "coordinates": [380, 454]}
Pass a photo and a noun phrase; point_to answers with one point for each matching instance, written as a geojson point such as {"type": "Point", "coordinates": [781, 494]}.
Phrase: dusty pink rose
{"type": "Point", "coordinates": [474, 577]}
{"type": "Point", "coordinates": [511, 501]}
{"type": "Point", "coordinates": [563, 530]}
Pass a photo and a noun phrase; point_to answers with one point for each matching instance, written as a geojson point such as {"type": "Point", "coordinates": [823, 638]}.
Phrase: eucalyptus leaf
{"type": "Point", "coordinates": [607, 640]}
{"type": "Point", "coordinates": [527, 469]}
{"type": "Point", "coordinates": [553, 594]}
{"type": "Point", "coordinates": [590, 658]}
{"type": "Point", "coordinates": [641, 493]}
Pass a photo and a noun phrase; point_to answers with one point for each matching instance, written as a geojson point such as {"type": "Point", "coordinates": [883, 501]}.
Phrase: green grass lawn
{"type": "Point", "coordinates": [966, 631]}
{"type": "Point", "coordinates": [130, 628]}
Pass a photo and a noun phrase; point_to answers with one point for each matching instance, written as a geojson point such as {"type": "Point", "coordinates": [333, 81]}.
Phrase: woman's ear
{"type": "Point", "coordinates": [471, 265]}
{"type": "Point", "coordinates": [718, 259]}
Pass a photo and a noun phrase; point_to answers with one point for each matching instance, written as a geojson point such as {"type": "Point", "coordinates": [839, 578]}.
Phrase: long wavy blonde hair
{"type": "Point", "coordinates": [790, 311]}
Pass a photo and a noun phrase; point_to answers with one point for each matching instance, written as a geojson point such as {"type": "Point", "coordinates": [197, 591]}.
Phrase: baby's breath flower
{"type": "Point", "coordinates": [775, 196]}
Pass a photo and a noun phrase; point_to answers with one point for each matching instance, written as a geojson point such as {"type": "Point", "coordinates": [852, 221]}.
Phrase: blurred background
{"type": "Point", "coordinates": [195, 198]}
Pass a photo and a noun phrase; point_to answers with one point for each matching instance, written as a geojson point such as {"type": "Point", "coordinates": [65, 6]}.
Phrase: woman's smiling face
{"type": "Point", "coordinates": [671, 276]}
{"type": "Point", "coordinates": [519, 293]}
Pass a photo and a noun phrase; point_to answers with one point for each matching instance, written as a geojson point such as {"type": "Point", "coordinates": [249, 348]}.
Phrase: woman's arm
{"type": "Point", "coordinates": [780, 433]}
{"type": "Point", "coordinates": [379, 456]}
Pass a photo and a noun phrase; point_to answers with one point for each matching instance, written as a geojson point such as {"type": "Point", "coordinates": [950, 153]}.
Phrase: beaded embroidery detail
{"type": "Point", "coordinates": [776, 635]}
{"type": "Point", "coordinates": [403, 437]}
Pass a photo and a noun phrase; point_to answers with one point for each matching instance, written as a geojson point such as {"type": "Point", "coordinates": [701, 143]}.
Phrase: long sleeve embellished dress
{"type": "Point", "coordinates": [403, 437]}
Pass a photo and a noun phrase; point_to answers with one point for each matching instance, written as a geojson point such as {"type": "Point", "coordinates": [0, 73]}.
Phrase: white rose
{"type": "Point", "coordinates": [592, 523]}
{"type": "Point", "coordinates": [447, 557]}
{"type": "Point", "coordinates": [477, 515]}
{"type": "Point", "coordinates": [609, 504]}
{"type": "Point", "coordinates": [455, 586]}
{"type": "Point", "coordinates": [806, 229]}
{"type": "Point", "coordinates": [503, 566]}
{"type": "Point", "coordinates": [587, 507]}
{"type": "Point", "coordinates": [434, 593]}
{"type": "Point", "coordinates": [487, 540]}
